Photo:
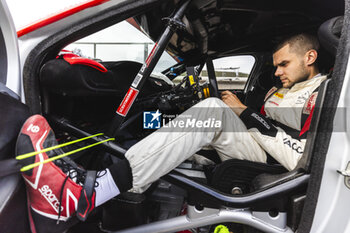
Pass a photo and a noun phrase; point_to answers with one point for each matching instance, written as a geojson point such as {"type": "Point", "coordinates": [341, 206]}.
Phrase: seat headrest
{"type": "Point", "coordinates": [329, 34]}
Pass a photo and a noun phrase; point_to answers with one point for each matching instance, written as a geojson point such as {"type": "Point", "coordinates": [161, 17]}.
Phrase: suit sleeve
{"type": "Point", "coordinates": [283, 144]}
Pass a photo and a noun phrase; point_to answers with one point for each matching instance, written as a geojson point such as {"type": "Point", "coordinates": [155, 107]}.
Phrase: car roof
{"type": "Point", "coordinates": [240, 26]}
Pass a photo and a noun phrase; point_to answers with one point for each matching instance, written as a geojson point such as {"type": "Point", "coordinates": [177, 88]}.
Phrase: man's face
{"type": "Point", "coordinates": [290, 67]}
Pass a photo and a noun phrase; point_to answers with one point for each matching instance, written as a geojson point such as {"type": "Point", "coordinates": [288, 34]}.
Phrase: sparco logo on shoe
{"type": "Point", "coordinates": [50, 197]}
{"type": "Point", "coordinates": [33, 128]}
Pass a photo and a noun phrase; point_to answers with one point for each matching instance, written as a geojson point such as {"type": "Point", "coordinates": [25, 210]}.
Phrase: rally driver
{"type": "Point", "coordinates": [56, 193]}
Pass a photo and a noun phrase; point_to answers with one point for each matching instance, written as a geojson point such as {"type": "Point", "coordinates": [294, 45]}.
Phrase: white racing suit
{"type": "Point", "coordinates": [280, 130]}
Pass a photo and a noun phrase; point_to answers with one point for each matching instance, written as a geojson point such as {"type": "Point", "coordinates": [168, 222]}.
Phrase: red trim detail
{"type": "Point", "coordinates": [262, 110]}
{"type": "Point", "coordinates": [58, 16]}
{"type": "Point", "coordinates": [65, 51]}
{"type": "Point", "coordinates": [307, 123]}
{"type": "Point", "coordinates": [129, 98]}
{"type": "Point", "coordinates": [93, 201]}
{"type": "Point", "coordinates": [134, 23]}
{"type": "Point", "coordinates": [273, 102]}
{"type": "Point", "coordinates": [87, 208]}
{"type": "Point", "coordinates": [150, 56]}
{"type": "Point", "coordinates": [74, 59]}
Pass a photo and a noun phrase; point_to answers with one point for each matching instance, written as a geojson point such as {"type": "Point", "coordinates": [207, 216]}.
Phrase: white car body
{"type": "Point", "coordinates": [333, 199]}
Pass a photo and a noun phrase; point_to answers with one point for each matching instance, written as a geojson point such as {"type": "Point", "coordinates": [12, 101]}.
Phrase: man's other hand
{"type": "Point", "coordinates": [233, 102]}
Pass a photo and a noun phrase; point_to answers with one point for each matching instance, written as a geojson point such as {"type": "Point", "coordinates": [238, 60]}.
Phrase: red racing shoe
{"type": "Point", "coordinates": [59, 193]}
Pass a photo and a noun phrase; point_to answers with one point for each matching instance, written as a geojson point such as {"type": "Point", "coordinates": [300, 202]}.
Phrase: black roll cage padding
{"type": "Point", "coordinates": [212, 78]}
{"type": "Point", "coordinates": [215, 199]}
{"type": "Point", "coordinates": [174, 23]}
{"type": "Point", "coordinates": [65, 125]}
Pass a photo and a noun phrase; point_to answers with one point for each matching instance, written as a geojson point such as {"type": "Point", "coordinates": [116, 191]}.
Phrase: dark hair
{"type": "Point", "coordinates": [300, 43]}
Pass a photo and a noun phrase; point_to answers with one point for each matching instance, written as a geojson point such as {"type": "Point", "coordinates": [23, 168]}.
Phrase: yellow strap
{"type": "Point", "coordinates": [208, 91]}
{"type": "Point", "coordinates": [205, 90]}
{"type": "Point", "coordinates": [28, 167]}
{"type": "Point", "coordinates": [221, 229]}
{"type": "Point", "coordinates": [191, 80]}
{"type": "Point", "coordinates": [24, 156]}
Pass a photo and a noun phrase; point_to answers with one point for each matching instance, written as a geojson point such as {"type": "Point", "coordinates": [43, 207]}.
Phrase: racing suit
{"type": "Point", "coordinates": [279, 129]}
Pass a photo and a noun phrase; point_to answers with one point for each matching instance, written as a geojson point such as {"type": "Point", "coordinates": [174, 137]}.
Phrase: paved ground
{"type": "Point", "coordinates": [231, 85]}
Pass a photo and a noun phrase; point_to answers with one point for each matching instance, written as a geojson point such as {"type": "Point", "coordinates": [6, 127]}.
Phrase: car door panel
{"type": "Point", "coordinates": [13, 214]}
{"type": "Point", "coordinates": [13, 113]}
{"type": "Point", "coordinates": [3, 59]}
{"type": "Point", "coordinates": [10, 76]}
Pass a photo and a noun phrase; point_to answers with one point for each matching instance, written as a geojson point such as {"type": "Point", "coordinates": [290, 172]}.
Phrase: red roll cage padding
{"type": "Point", "coordinates": [74, 59]}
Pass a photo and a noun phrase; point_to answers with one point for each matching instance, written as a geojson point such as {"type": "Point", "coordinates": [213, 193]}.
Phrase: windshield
{"type": "Point", "coordinates": [119, 42]}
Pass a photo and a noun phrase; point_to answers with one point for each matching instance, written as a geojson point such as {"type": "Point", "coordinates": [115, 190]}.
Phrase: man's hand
{"type": "Point", "coordinates": [233, 102]}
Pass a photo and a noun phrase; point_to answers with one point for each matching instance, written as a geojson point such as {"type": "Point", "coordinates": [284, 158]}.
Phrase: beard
{"type": "Point", "coordinates": [302, 74]}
